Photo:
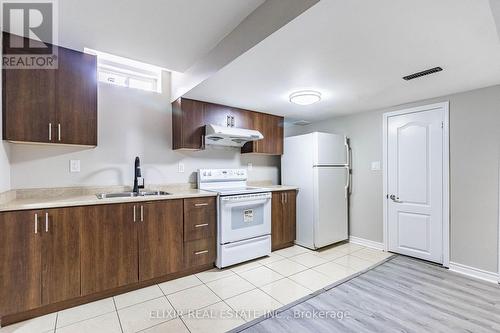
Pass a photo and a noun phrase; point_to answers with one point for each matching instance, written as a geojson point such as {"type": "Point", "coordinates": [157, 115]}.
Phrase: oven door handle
{"type": "Point", "coordinates": [245, 202]}
{"type": "Point", "coordinates": [246, 199]}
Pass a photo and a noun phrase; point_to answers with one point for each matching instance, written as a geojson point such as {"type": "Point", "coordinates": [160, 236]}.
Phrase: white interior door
{"type": "Point", "coordinates": [415, 144]}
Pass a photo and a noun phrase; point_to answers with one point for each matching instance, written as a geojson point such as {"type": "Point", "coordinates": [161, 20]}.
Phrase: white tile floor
{"type": "Point", "coordinates": [215, 300]}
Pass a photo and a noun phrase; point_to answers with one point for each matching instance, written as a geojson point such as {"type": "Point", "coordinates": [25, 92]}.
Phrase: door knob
{"type": "Point", "coordinates": [395, 198]}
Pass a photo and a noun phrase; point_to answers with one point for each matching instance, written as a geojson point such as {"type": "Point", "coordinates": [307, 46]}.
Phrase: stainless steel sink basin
{"type": "Point", "coordinates": [130, 194]}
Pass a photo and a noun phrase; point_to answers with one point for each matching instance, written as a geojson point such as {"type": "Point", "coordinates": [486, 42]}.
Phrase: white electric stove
{"type": "Point", "coordinates": [243, 215]}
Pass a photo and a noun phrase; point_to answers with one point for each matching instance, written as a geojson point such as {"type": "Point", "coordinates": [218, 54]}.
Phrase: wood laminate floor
{"type": "Point", "coordinates": [401, 295]}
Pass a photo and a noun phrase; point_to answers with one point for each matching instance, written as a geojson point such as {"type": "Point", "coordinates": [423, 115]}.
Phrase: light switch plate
{"type": "Point", "coordinates": [74, 166]}
{"type": "Point", "coordinates": [376, 166]}
{"type": "Point", "coordinates": [181, 167]}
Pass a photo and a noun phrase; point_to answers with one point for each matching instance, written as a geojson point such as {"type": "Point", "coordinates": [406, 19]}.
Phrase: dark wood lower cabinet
{"type": "Point", "coordinates": [109, 253]}
{"type": "Point", "coordinates": [60, 229]}
{"type": "Point", "coordinates": [53, 259]}
{"type": "Point", "coordinates": [200, 252]}
{"type": "Point", "coordinates": [200, 218]}
{"type": "Point", "coordinates": [160, 238]}
{"type": "Point", "coordinates": [283, 219]}
{"type": "Point", "coordinates": [20, 262]}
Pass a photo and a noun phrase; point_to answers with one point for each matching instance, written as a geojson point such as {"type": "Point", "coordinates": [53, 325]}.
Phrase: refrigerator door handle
{"type": "Point", "coordinates": [348, 181]}
{"type": "Point", "coordinates": [348, 152]}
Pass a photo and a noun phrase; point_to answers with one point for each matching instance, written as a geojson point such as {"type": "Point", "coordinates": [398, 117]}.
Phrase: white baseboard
{"type": "Point", "coordinates": [474, 272]}
{"type": "Point", "coordinates": [366, 242]}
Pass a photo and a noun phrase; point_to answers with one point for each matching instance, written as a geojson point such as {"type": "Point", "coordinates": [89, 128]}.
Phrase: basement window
{"type": "Point", "coordinates": [125, 72]}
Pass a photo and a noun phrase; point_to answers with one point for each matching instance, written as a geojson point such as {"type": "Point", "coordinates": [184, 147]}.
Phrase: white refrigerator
{"type": "Point", "coordinates": [319, 165]}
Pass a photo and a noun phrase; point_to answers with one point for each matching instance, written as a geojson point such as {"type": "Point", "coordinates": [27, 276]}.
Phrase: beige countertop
{"type": "Point", "coordinates": [70, 197]}
{"type": "Point", "coordinates": [27, 199]}
{"type": "Point", "coordinates": [277, 188]}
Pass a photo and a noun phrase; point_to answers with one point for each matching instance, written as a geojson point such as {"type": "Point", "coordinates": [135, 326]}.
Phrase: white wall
{"type": "Point", "coordinates": [131, 123]}
{"type": "Point", "coordinates": [474, 172]}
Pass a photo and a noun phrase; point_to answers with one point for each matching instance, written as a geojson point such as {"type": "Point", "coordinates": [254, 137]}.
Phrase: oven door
{"type": "Point", "coordinates": [244, 216]}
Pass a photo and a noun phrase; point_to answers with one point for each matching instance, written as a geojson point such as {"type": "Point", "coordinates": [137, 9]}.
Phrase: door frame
{"type": "Point", "coordinates": [445, 106]}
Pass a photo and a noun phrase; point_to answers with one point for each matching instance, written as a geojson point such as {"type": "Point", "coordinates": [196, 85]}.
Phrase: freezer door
{"type": "Point", "coordinates": [330, 205]}
{"type": "Point", "coordinates": [330, 149]}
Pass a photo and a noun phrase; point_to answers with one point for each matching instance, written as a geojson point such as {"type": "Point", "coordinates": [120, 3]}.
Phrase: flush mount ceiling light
{"type": "Point", "coordinates": [305, 97]}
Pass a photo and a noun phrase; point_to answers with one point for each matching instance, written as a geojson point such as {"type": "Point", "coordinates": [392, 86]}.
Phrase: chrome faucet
{"type": "Point", "coordinates": [137, 175]}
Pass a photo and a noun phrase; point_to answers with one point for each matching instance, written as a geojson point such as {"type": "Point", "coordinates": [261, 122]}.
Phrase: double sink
{"type": "Point", "coordinates": [130, 194]}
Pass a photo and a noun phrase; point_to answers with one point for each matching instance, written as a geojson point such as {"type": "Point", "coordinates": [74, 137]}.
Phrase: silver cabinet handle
{"type": "Point", "coordinates": [232, 121]}
{"type": "Point", "coordinates": [282, 198]}
{"type": "Point", "coordinates": [228, 121]}
{"type": "Point", "coordinates": [201, 204]}
{"type": "Point", "coordinates": [135, 209]}
{"type": "Point", "coordinates": [46, 222]}
{"type": "Point", "coordinates": [201, 225]}
{"type": "Point", "coordinates": [50, 131]}
{"type": "Point", "coordinates": [286, 197]}
{"type": "Point", "coordinates": [142, 213]}
{"type": "Point", "coordinates": [59, 132]}
{"type": "Point", "coordinates": [36, 223]}
{"type": "Point", "coordinates": [201, 252]}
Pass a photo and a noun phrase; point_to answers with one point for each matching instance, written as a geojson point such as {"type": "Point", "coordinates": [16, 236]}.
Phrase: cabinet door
{"type": "Point", "coordinates": [200, 218]}
{"type": "Point", "coordinates": [277, 227]}
{"type": "Point", "coordinates": [289, 217]}
{"type": "Point", "coordinates": [272, 128]}
{"type": "Point", "coordinates": [160, 238]}
{"type": "Point", "coordinates": [109, 256]}
{"type": "Point", "coordinates": [242, 118]}
{"type": "Point", "coordinates": [60, 230]}
{"type": "Point", "coordinates": [76, 98]}
{"type": "Point", "coordinates": [187, 124]}
{"type": "Point", "coordinates": [200, 252]}
{"type": "Point", "coordinates": [28, 103]}
{"type": "Point", "coordinates": [216, 114]}
{"type": "Point", "coordinates": [20, 268]}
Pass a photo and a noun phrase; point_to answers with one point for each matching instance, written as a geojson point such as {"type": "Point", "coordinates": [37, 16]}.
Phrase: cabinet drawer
{"type": "Point", "coordinates": [199, 252]}
{"type": "Point", "coordinates": [199, 218]}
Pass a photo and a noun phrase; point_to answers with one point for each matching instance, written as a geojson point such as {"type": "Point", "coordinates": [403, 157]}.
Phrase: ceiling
{"type": "Point", "coordinates": [355, 53]}
{"type": "Point", "coordinates": [168, 33]}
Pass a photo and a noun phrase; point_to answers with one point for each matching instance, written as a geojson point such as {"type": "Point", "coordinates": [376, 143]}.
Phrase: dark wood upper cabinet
{"type": "Point", "coordinates": [216, 114]}
{"type": "Point", "coordinates": [188, 124]}
{"type": "Point", "coordinates": [189, 118]}
{"type": "Point", "coordinates": [283, 219]}
{"type": "Point", "coordinates": [20, 262]}
{"type": "Point", "coordinates": [76, 98]}
{"type": "Point", "coordinates": [109, 253]}
{"type": "Point", "coordinates": [160, 238]}
{"type": "Point", "coordinates": [28, 104]}
{"type": "Point", "coordinates": [60, 230]}
{"type": "Point", "coordinates": [272, 128]}
{"type": "Point", "coordinates": [52, 105]}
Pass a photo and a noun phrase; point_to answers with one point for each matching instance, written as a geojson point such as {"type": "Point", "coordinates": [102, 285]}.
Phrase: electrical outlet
{"type": "Point", "coordinates": [74, 166]}
{"type": "Point", "coordinates": [249, 166]}
{"type": "Point", "coordinates": [376, 166]}
{"type": "Point", "coordinates": [181, 167]}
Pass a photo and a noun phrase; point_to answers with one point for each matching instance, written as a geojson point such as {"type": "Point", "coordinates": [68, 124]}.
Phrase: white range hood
{"type": "Point", "coordinates": [230, 136]}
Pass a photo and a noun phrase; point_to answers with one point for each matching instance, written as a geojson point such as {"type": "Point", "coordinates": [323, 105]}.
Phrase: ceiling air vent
{"type": "Point", "coordinates": [422, 73]}
{"type": "Point", "coordinates": [301, 122]}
